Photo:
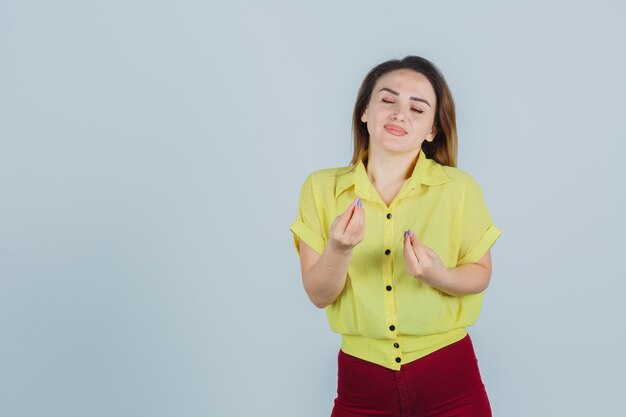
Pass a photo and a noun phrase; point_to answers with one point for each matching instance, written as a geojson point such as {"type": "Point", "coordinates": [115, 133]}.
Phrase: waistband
{"type": "Point", "coordinates": [392, 353]}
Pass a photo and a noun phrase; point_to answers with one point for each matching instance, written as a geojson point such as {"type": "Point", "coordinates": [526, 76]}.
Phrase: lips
{"type": "Point", "coordinates": [395, 130]}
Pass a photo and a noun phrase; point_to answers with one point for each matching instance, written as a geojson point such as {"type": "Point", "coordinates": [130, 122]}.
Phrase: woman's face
{"type": "Point", "coordinates": [401, 112]}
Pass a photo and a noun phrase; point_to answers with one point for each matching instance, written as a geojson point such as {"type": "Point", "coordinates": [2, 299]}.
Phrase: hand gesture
{"type": "Point", "coordinates": [348, 229]}
{"type": "Point", "coordinates": [422, 262]}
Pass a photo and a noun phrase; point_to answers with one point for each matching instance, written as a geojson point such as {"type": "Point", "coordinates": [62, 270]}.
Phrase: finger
{"type": "Point", "coordinates": [350, 210]}
{"type": "Point", "coordinates": [420, 252]}
{"type": "Point", "coordinates": [356, 223]}
{"type": "Point", "coordinates": [354, 203]}
{"type": "Point", "coordinates": [414, 240]}
{"type": "Point", "coordinates": [429, 251]}
{"type": "Point", "coordinates": [358, 216]}
{"type": "Point", "coordinates": [355, 208]}
{"type": "Point", "coordinates": [418, 248]}
{"type": "Point", "coordinates": [423, 249]}
{"type": "Point", "coordinates": [409, 252]}
{"type": "Point", "coordinates": [344, 219]}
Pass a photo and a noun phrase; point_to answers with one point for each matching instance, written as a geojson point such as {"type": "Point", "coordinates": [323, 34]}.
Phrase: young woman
{"type": "Point", "coordinates": [396, 249]}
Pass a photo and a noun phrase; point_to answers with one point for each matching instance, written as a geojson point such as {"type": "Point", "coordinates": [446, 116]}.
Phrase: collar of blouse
{"type": "Point", "coordinates": [426, 171]}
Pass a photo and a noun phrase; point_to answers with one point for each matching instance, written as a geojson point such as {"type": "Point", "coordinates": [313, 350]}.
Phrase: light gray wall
{"type": "Point", "coordinates": [151, 156]}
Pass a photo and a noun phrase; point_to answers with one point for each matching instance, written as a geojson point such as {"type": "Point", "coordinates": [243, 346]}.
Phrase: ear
{"type": "Point", "coordinates": [364, 116]}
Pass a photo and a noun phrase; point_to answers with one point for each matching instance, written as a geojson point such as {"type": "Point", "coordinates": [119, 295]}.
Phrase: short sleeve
{"type": "Point", "coordinates": [308, 225]}
{"type": "Point", "coordinates": [477, 231]}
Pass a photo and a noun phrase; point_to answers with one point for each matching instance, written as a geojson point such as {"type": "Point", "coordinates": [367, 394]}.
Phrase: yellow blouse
{"type": "Point", "coordinates": [385, 315]}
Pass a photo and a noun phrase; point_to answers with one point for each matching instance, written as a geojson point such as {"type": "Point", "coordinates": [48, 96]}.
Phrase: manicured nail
{"type": "Point", "coordinates": [359, 204]}
{"type": "Point", "coordinates": [405, 233]}
{"type": "Point", "coordinates": [410, 232]}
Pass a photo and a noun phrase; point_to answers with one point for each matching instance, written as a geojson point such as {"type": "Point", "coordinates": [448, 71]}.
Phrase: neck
{"type": "Point", "coordinates": [383, 168]}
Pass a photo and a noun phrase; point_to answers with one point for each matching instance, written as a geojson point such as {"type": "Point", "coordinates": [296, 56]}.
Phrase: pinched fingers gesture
{"type": "Point", "coordinates": [422, 262]}
{"type": "Point", "coordinates": [348, 229]}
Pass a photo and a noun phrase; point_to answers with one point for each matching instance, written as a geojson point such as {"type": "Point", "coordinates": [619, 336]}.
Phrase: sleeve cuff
{"type": "Point", "coordinates": [302, 231]}
{"type": "Point", "coordinates": [489, 238]}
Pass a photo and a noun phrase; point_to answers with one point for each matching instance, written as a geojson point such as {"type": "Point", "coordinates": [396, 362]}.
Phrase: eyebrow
{"type": "Point", "coordinates": [397, 94]}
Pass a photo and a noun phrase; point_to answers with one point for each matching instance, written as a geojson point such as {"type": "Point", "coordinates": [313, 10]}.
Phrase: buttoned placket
{"type": "Point", "coordinates": [409, 189]}
{"type": "Point", "coordinates": [388, 271]}
{"type": "Point", "coordinates": [388, 283]}
{"type": "Point", "coordinates": [364, 188]}
{"type": "Point", "coordinates": [388, 266]}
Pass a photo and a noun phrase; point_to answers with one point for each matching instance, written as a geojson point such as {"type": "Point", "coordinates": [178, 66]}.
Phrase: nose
{"type": "Point", "coordinates": [398, 114]}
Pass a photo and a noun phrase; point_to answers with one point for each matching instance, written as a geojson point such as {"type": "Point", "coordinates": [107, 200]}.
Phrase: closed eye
{"type": "Point", "coordinates": [415, 110]}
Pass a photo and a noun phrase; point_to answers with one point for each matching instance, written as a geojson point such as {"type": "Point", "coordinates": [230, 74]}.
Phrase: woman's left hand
{"type": "Point", "coordinates": [422, 262]}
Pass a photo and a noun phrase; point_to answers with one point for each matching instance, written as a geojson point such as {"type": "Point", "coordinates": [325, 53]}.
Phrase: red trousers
{"type": "Point", "coordinates": [444, 383]}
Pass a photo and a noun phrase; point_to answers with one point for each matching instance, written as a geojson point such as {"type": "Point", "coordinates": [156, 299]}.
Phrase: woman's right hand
{"type": "Point", "coordinates": [348, 229]}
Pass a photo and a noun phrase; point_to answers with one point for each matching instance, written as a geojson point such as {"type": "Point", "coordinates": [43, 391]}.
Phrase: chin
{"type": "Point", "coordinates": [395, 147]}
{"type": "Point", "coordinates": [397, 150]}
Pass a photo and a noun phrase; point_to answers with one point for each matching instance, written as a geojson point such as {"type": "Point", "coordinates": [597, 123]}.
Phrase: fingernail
{"type": "Point", "coordinates": [359, 204]}
{"type": "Point", "coordinates": [405, 233]}
{"type": "Point", "coordinates": [355, 202]}
{"type": "Point", "coordinates": [410, 232]}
